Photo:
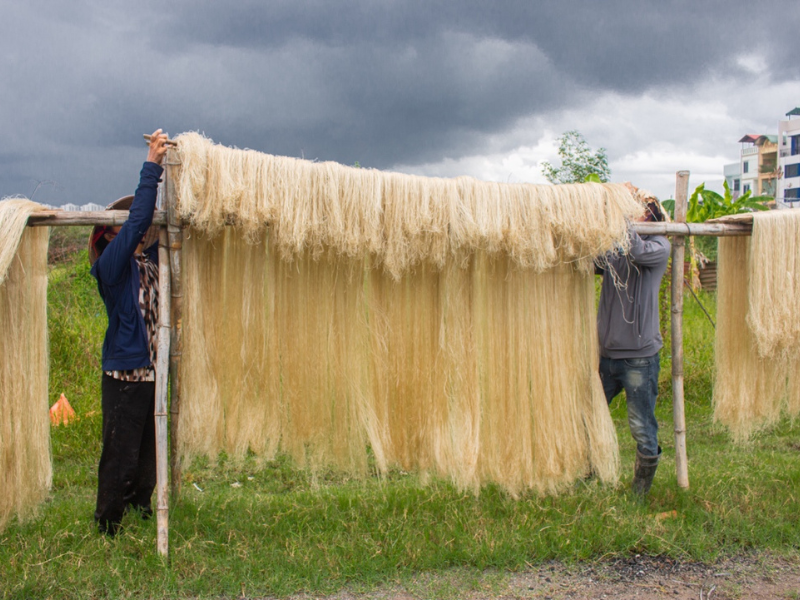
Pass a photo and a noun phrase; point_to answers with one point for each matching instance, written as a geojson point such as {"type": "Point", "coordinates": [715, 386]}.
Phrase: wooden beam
{"type": "Point", "coordinates": [678, 251]}
{"type": "Point", "coordinates": [162, 379]}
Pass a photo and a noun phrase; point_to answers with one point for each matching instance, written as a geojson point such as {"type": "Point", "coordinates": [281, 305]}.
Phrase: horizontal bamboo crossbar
{"type": "Point", "coordinates": [53, 218]}
{"type": "Point", "coordinates": [691, 229]}
{"type": "Point", "coordinates": [118, 217]}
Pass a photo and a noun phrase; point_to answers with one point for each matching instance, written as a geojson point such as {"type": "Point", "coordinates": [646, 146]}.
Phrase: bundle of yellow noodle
{"type": "Point", "coordinates": [25, 469]}
{"type": "Point", "coordinates": [758, 332]}
{"type": "Point", "coordinates": [353, 315]}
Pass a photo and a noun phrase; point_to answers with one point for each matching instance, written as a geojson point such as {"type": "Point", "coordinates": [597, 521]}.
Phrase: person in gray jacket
{"type": "Point", "coordinates": [630, 340]}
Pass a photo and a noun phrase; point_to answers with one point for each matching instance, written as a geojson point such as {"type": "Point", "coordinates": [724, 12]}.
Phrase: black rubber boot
{"type": "Point", "coordinates": [643, 473]}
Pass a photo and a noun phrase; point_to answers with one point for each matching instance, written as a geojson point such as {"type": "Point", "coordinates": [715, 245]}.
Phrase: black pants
{"type": "Point", "coordinates": [127, 472]}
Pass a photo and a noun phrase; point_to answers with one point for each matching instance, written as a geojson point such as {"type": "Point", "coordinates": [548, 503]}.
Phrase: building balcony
{"type": "Point", "coordinates": [751, 151]}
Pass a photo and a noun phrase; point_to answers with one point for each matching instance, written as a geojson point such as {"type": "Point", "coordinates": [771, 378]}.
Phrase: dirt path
{"type": "Point", "coordinates": [748, 577]}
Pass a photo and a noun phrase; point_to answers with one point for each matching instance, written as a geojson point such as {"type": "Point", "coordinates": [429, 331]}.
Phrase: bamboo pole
{"type": "Point", "coordinates": [678, 413]}
{"type": "Point", "coordinates": [175, 235]}
{"type": "Point", "coordinates": [47, 218]}
{"type": "Point", "coordinates": [704, 229]}
{"type": "Point", "coordinates": [162, 379]}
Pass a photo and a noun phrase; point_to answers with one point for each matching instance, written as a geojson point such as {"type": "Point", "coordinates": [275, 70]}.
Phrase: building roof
{"type": "Point", "coordinates": [794, 112]}
{"type": "Point", "coordinates": [754, 138]}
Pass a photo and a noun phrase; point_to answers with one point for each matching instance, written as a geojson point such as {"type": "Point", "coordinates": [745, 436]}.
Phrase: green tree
{"type": "Point", "coordinates": [578, 161]}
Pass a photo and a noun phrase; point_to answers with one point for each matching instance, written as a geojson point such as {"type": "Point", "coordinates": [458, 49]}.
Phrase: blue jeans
{"type": "Point", "coordinates": [639, 378]}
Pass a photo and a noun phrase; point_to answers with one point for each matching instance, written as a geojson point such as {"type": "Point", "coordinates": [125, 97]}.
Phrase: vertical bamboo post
{"type": "Point", "coordinates": [175, 236]}
{"type": "Point", "coordinates": [162, 379]}
{"type": "Point", "coordinates": [678, 249]}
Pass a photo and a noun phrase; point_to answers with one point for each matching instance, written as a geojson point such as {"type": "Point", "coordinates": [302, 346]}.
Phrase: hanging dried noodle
{"type": "Point", "coordinates": [26, 473]}
{"type": "Point", "coordinates": [445, 325]}
{"type": "Point", "coordinates": [397, 221]}
{"type": "Point", "coordinates": [758, 337]}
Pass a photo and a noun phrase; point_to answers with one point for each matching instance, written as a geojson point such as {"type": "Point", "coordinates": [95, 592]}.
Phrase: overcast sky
{"type": "Point", "coordinates": [452, 88]}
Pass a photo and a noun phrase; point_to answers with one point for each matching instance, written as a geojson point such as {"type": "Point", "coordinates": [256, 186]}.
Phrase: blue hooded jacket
{"type": "Point", "coordinates": [125, 346]}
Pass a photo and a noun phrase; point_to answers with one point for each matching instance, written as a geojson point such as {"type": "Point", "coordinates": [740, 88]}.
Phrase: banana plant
{"type": "Point", "coordinates": [706, 204]}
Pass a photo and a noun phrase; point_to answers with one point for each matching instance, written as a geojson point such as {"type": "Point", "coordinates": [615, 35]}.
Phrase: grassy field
{"type": "Point", "coordinates": [240, 529]}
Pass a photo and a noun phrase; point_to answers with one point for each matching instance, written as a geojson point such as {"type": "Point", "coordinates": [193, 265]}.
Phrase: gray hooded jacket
{"type": "Point", "coordinates": [627, 317]}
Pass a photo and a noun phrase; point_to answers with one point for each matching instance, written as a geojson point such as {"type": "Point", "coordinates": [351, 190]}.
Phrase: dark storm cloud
{"type": "Point", "coordinates": [621, 44]}
{"type": "Point", "coordinates": [381, 82]}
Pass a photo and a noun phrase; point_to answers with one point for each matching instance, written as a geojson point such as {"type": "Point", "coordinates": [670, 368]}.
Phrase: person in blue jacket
{"type": "Point", "coordinates": [127, 278]}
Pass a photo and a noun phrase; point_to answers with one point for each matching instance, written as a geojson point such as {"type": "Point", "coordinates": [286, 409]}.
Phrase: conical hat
{"type": "Point", "coordinates": [150, 238]}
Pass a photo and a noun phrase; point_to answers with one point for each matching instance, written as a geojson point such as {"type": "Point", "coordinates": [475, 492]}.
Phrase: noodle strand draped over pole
{"type": "Point", "coordinates": [25, 465]}
{"type": "Point", "coordinates": [445, 325]}
{"type": "Point", "coordinates": [758, 333]}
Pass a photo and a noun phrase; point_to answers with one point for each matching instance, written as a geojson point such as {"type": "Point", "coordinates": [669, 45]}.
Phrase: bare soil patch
{"type": "Point", "coordinates": [748, 576]}
{"type": "Point", "coordinates": [647, 577]}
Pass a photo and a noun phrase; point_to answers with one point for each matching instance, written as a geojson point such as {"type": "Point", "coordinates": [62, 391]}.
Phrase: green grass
{"type": "Point", "coordinates": [283, 530]}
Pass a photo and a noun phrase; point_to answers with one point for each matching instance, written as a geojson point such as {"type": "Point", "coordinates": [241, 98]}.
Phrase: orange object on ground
{"type": "Point", "coordinates": [61, 412]}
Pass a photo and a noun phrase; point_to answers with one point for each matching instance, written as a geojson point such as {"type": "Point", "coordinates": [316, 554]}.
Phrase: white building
{"type": "Point", "coordinates": [788, 191]}
{"type": "Point", "coordinates": [733, 176]}
{"type": "Point", "coordinates": [759, 157]}
{"type": "Point", "coordinates": [757, 170]}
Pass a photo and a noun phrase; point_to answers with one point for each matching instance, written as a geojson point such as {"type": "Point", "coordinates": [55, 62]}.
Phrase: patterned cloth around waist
{"type": "Point", "coordinates": [148, 304]}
